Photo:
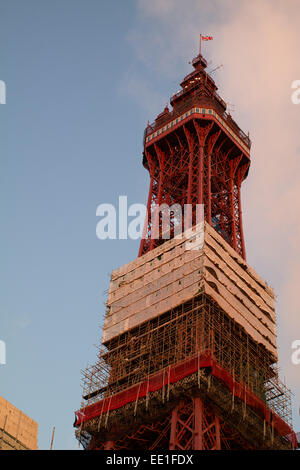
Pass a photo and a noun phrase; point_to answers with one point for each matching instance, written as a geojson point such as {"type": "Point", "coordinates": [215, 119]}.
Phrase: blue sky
{"type": "Point", "coordinates": [83, 78]}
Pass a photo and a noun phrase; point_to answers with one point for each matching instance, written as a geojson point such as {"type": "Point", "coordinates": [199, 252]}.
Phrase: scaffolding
{"type": "Point", "coordinates": [199, 326]}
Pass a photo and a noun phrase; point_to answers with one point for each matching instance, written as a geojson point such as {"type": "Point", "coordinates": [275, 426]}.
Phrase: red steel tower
{"type": "Point", "coordinates": [197, 154]}
{"type": "Point", "coordinates": [188, 355]}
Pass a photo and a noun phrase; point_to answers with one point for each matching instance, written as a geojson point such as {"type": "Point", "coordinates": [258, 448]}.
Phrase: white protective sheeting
{"type": "Point", "coordinates": [171, 274]}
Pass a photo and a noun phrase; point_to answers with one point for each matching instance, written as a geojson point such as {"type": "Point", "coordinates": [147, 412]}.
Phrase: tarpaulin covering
{"type": "Point", "coordinates": [173, 374]}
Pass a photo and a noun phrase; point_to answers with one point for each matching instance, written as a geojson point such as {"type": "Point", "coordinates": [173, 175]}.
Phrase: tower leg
{"type": "Point", "coordinates": [194, 426]}
{"type": "Point", "coordinates": [198, 410]}
{"type": "Point", "coordinates": [173, 429]}
{"type": "Point", "coordinates": [218, 432]}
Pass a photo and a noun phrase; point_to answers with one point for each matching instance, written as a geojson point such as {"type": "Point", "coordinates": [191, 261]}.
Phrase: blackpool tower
{"type": "Point", "coordinates": [188, 358]}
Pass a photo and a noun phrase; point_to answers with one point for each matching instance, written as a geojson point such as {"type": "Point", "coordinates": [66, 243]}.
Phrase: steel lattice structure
{"type": "Point", "coordinates": [197, 154]}
{"type": "Point", "coordinates": [191, 426]}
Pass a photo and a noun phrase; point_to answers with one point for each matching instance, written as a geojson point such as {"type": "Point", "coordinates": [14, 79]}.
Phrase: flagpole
{"type": "Point", "coordinates": [200, 44]}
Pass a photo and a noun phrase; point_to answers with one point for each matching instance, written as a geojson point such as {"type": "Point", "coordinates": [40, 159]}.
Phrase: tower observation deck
{"type": "Point", "coordinates": [188, 358]}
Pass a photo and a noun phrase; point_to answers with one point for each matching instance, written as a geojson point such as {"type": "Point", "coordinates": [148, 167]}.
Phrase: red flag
{"type": "Point", "coordinates": [206, 38]}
